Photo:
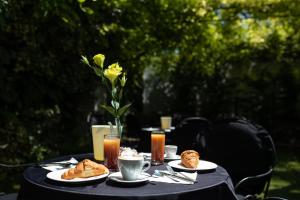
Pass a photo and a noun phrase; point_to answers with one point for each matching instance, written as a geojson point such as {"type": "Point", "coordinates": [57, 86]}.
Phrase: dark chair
{"type": "Point", "coordinates": [245, 150]}
{"type": "Point", "coordinates": [191, 133]}
{"type": "Point", "coordinates": [254, 185]}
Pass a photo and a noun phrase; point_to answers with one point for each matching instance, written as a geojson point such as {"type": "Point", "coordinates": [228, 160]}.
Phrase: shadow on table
{"type": "Point", "coordinates": [199, 171]}
{"type": "Point", "coordinates": [131, 185]}
{"type": "Point", "coordinates": [74, 184]}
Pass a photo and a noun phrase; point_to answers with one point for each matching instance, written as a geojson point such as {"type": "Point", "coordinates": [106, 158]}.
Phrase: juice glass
{"type": "Point", "coordinates": [166, 122]}
{"type": "Point", "coordinates": [111, 151]}
{"type": "Point", "coordinates": [157, 147]}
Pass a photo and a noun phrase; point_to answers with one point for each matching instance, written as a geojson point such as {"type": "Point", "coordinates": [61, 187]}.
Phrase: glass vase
{"type": "Point", "coordinates": [119, 127]}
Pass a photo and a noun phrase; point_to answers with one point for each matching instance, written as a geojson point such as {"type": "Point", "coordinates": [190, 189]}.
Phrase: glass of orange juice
{"type": "Point", "coordinates": [111, 151]}
{"type": "Point", "coordinates": [157, 147]}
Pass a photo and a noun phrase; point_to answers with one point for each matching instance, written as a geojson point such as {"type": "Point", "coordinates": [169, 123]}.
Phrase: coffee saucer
{"type": "Point", "coordinates": [117, 177]}
{"type": "Point", "coordinates": [177, 157]}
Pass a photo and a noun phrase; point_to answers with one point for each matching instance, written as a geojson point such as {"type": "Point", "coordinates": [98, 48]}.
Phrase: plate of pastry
{"type": "Point", "coordinates": [84, 171]}
{"type": "Point", "coordinates": [190, 161]}
{"type": "Point", "coordinates": [203, 165]}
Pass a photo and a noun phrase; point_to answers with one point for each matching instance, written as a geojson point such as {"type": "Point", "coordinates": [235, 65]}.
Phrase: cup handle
{"type": "Point", "coordinates": [146, 166]}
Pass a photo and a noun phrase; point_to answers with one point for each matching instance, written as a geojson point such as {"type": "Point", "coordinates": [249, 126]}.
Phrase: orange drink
{"type": "Point", "coordinates": [157, 147]}
{"type": "Point", "coordinates": [111, 151]}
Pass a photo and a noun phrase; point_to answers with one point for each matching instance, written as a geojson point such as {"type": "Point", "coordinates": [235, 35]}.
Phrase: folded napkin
{"type": "Point", "coordinates": [56, 166]}
{"type": "Point", "coordinates": [166, 177]}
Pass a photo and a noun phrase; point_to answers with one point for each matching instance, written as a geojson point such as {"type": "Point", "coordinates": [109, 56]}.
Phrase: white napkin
{"type": "Point", "coordinates": [166, 179]}
{"type": "Point", "coordinates": [58, 167]}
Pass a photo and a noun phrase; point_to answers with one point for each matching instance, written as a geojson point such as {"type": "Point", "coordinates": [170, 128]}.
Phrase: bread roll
{"type": "Point", "coordinates": [85, 169]}
{"type": "Point", "coordinates": [190, 158]}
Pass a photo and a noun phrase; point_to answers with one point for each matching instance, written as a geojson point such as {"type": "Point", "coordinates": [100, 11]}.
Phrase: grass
{"type": "Point", "coordinates": [286, 178]}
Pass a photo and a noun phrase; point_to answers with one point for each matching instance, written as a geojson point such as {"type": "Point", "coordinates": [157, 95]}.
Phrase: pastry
{"type": "Point", "coordinates": [190, 158]}
{"type": "Point", "coordinates": [85, 169]}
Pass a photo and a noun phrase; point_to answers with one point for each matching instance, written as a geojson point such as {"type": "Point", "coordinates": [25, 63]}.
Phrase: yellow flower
{"type": "Point", "coordinates": [99, 60]}
{"type": "Point", "coordinates": [112, 72]}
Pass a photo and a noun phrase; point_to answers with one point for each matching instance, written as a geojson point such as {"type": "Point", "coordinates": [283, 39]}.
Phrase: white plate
{"type": "Point", "coordinates": [202, 166]}
{"type": "Point", "coordinates": [177, 157]}
{"type": "Point", "coordinates": [150, 129]}
{"type": "Point", "coordinates": [117, 177]}
{"type": "Point", "coordinates": [56, 176]}
{"type": "Point", "coordinates": [169, 129]}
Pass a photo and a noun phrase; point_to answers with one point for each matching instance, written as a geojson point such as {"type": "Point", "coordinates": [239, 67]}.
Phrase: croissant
{"type": "Point", "coordinates": [190, 158]}
{"type": "Point", "coordinates": [85, 169]}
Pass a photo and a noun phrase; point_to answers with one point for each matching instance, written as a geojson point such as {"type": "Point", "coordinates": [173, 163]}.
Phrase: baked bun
{"type": "Point", "coordinates": [190, 158]}
{"type": "Point", "coordinates": [85, 169]}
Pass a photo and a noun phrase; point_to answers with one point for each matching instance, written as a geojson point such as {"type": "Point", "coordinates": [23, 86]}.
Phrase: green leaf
{"type": "Point", "coordinates": [81, 1]}
{"type": "Point", "coordinates": [3, 146]}
{"type": "Point", "coordinates": [115, 104]}
{"type": "Point", "coordinates": [121, 93]}
{"type": "Point", "coordinates": [87, 10]}
{"type": "Point", "coordinates": [124, 109]}
{"type": "Point", "coordinates": [114, 92]}
{"type": "Point", "coordinates": [109, 109]}
{"type": "Point", "coordinates": [97, 71]}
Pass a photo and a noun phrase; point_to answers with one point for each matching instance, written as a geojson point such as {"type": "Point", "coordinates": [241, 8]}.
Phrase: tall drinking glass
{"type": "Point", "coordinates": [166, 122]}
{"type": "Point", "coordinates": [157, 147]}
{"type": "Point", "coordinates": [98, 133]}
{"type": "Point", "coordinates": [111, 151]}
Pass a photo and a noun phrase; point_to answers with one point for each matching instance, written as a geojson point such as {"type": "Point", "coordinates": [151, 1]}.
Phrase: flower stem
{"type": "Point", "coordinates": [119, 126]}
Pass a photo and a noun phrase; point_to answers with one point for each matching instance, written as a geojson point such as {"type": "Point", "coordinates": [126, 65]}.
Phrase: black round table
{"type": "Point", "coordinates": [210, 185]}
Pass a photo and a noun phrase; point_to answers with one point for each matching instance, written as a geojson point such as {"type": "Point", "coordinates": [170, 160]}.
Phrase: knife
{"type": "Point", "coordinates": [176, 173]}
{"type": "Point", "coordinates": [178, 177]}
{"type": "Point", "coordinates": [185, 176]}
{"type": "Point", "coordinates": [62, 164]}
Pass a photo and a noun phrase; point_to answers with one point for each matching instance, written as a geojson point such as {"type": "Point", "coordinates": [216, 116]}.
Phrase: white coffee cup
{"type": "Point", "coordinates": [166, 122]}
{"type": "Point", "coordinates": [131, 167]}
{"type": "Point", "coordinates": [171, 151]}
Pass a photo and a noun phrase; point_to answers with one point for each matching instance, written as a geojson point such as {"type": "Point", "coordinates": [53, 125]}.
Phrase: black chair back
{"type": "Point", "coordinates": [191, 133]}
{"type": "Point", "coordinates": [243, 148]}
